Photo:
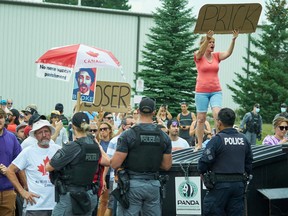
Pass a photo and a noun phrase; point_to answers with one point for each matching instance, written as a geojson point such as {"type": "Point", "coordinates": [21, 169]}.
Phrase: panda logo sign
{"type": "Point", "coordinates": [188, 195]}
{"type": "Point", "coordinates": [188, 189]}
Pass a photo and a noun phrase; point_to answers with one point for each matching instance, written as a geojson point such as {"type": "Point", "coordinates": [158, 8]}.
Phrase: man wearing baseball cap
{"type": "Point", "coordinates": [283, 113]}
{"type": "Point", "coordinates": [13, 118]}
{"type": "Point", "coordinates": [9, 149]}
{"type": "Point", "coordinates": [39, 195]}
{"type": "Point", "coordinates": [20, 132]}
{"type": "Point", "coordinates": [141, 152]}
{"type": "Point", "coordinates": [251, 124]}
{"type": "Point", "coordinates": [29, 111]}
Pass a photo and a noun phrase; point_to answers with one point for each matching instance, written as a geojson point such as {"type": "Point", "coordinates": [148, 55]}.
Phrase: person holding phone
{"type": "Point", "coordinates": [185, 119]}
{"type": "Point", "coordinates": [163, 114]}
{"type": "Point", "coordinates": [60, 136]}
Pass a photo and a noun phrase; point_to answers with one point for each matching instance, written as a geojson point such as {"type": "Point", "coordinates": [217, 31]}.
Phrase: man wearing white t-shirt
{"type": "Point", "coordinates": [39, 196]}
{"type": "Point", "coordinates": [177, 142]}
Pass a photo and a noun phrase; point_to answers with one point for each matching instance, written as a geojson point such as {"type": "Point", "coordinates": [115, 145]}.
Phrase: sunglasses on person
{"type": "Point", "coordinates": [283, 127]}
{"type": "Point", "coordinates": [109, 118]}
{"type": "Point", "coordinates": [93, 130]}
{"type": "Point", "coordinates": [104, 129]}
{"type": "Point", "coordinates": [10, 103]}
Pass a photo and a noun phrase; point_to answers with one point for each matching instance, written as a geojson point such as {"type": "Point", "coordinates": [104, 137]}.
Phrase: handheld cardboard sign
{"type": "Point", "coordinates": [112, 96]}
{"type": "Point", "coordinates": [224, 18]}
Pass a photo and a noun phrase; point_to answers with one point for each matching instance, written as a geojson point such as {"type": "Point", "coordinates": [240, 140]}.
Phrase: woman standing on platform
{"type": "Point", "coordinates": [208, 89]}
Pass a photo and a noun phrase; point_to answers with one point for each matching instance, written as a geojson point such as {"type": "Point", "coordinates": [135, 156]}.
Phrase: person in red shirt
{"type": "Point", "coordinates": [208, 89]}
{"type": "Point", "coordinates": [13, 118]}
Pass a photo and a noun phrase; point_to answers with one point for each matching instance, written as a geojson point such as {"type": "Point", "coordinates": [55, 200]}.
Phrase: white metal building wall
{"type": "Point", "coordinates": [30, 29]}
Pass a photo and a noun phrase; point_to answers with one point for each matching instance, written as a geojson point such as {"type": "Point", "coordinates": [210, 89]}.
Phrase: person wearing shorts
{"type": "Point", "coordinates": [208, 89]}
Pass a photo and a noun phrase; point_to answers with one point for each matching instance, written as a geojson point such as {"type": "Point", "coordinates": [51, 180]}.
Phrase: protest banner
{"type": "Point", "coordinates": [224, 18]}
{"type": "Point", "coordinates": [112, 96]}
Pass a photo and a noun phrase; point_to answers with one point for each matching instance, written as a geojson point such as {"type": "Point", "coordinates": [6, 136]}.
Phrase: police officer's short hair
{"type": "Point", "coordinates": [227, 116]}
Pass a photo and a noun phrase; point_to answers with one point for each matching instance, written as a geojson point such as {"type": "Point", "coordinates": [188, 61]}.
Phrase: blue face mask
{"type": "Point", "coordinates": [257, 110]}
{"type": "Point", "coordinates": [283, 109]}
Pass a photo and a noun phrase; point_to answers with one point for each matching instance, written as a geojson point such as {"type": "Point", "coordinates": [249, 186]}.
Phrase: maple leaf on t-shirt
{"type": "Point", "coordinates": [41, 167]}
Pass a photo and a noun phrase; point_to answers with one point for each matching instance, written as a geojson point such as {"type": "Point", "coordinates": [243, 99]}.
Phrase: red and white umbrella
{"type": "Point", "coordinates": [60, 62]}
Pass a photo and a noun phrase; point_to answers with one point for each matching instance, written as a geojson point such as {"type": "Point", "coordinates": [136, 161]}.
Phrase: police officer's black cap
{"type": "Point", "coordinates": [147, 105]}
{"type": "Point", "coordinates": [79, 118]}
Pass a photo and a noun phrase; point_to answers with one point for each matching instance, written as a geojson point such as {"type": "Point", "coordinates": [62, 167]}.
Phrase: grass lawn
{"type": "Point", "coordinates": [267, 129]}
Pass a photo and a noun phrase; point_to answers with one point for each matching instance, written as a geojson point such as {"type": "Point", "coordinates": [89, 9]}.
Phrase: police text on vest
{"type": "Point", "coordinates": [233, 141]}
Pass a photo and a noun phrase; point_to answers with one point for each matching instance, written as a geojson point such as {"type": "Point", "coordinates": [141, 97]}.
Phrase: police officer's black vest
{"type": "Point", "coordinates": [147, 152]}
{"type": "Point", "coordinates": [82, 173]}
{"type": "Point", "coordinates": [231, 158]}
{"type": "Point", "coordinates": [253, 125]}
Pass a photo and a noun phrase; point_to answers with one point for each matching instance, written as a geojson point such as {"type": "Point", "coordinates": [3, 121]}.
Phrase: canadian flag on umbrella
{"type": "Point", "coordinates": [60, 62]}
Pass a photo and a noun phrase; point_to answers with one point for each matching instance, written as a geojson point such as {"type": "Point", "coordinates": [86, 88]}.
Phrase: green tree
{"type": "Point", "coordinates": [265, 77]}
{"type": "Point", "coordinates": [69, 2]}
{"type": "Point", "coordinates": [111, 4]}
{"type": "Point", "coordinates": [168, 68]}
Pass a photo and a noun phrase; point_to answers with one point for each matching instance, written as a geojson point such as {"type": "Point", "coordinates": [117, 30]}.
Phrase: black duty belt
{"type": "Point", "coordinates": [230, 178]}
{"type": "Point", "coordinates": [78, 188]}
{"type": "Point", "coordinates": [144, 176]}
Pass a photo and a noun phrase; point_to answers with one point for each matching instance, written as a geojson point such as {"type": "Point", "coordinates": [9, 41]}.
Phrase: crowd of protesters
{"type": "Point", "coordinates": [57, 165]}
{"type": "Point", "coordinates": [36, 138]}
{"type": "Point", "coordinates": [26, 129]}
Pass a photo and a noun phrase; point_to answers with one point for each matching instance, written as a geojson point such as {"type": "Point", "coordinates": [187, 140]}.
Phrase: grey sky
{"type": "Point", "coordinates": [147, 6]}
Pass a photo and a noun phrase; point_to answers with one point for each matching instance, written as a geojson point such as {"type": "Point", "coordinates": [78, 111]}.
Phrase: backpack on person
{"type": "Point", "coordinates": [253, 125]}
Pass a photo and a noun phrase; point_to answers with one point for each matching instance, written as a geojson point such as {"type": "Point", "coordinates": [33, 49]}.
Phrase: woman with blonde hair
{"type": "Point", "coordinates": [208, 89]}
{"type": "Point", "coordinates": [280, 126]}
{"type": "Point", "coordinates": [75, 171]}
{"type": "Point", "coordinates": [163, 114]}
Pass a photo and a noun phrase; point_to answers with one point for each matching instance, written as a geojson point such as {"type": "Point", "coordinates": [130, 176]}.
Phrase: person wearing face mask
{"type": "Point", "coordinates": [39, 194]}
{"type": "Point", "coordinates": [251, 125]}
{"type": "Point", "coordinates": [283, 113]}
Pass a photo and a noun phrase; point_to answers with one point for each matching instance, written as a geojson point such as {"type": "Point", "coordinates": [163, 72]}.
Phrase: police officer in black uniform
{"type": "Point", "coordinates": [74, 167]}
{"type": "Point", "coordinates": [224, 166]}
{"type": "Point", "coordinates": [141, 152]}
